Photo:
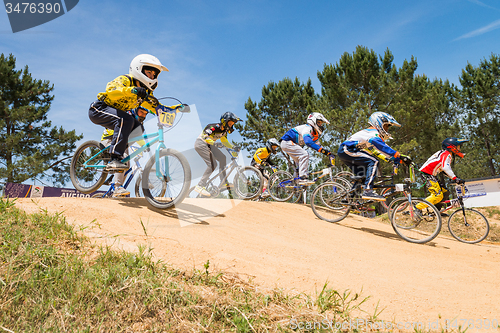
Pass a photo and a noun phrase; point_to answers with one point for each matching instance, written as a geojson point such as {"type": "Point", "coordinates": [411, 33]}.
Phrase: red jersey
{"type": "Point", "coordinates": [440, 161]}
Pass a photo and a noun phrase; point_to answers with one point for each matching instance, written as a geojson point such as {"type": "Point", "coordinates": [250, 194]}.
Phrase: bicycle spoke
{"type": "Point", "coordinates": [173, 181]}
{"type": "Point", "coordinates": [416, 225]}
{"type": "Point", "coordinates": [471, 227]}
{"type": "Point", "coordinates": [248, 183]}
{"type": "Point", "coordinates": [87, 180]}
{"type": "Point", "coordinates": [281, 186]}
{"type": "Point", "coordinates": [330, 202]}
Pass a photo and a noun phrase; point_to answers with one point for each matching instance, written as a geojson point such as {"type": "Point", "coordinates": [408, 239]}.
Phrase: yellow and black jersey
{"type": "Point", "coordinates": [262, 155]}
{"type": "Point", "coordinates": [214, 132]}
{"type": "Point", "coordinates": [119, 94]}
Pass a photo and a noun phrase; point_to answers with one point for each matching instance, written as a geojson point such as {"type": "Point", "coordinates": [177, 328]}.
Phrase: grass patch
{"type": "Point", "coordinates": [52, 279]}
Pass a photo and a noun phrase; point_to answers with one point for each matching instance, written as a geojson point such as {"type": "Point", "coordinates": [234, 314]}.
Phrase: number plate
{"type": "Point", "coordinates": [166, 116]}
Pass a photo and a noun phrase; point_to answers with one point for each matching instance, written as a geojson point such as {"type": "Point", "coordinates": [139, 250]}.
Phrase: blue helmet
{"type": "Point", "coordinates": [453, 145]}
{"type": "Point", "coordinates": [379, 120]}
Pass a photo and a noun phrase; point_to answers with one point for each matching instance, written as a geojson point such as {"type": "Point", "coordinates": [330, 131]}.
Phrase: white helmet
{"type": "Point", "coordinates": [146, 61]}
{"type": "Point", "coordinates": [312, 120]}
{"type": "Point", "coordinates": [379, 119]}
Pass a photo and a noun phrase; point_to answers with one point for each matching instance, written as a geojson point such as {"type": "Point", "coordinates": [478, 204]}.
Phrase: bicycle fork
{"type": "Point", "coordinates": [166, 175]}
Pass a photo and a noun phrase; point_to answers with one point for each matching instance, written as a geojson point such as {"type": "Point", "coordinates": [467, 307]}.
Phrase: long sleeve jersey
{"type": "Point", "coordinates": [303, 135]}
{"type": "Point", "coordinates": [262, 155]}
{"type": "Point", "coordinates": [119, 94]}
{"type": "Point", "coordinates": [439, 162]}
{"type": "Point", "coordinates": [369, 141]}
{"type": "Point", "coordinates": [214, 132]}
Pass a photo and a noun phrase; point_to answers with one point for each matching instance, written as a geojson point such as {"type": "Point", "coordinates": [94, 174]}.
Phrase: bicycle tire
{"type": "Point", "coordinates": [394, 203]}
{"type": "Point", "coordinates": [138, 187]}
{"type": "Point", "coordinates": [167, 192]}
{"type": "Point", "coordinates": [476, 230]}
{"type": "Point", "coordinates": [327, 202]}
{"type": "Point", "coordinates": [276, 189]}
{"type": "Point", "coordinates": [98, 196]}
{"type": "Point", "coordinates": [86, 180]}
{"type": "Point", "coordinates": [344, 182]}
{"type": "Point", "coordinates": [414, 226]}
{"type": "Point", "coordinates": [248, 183]}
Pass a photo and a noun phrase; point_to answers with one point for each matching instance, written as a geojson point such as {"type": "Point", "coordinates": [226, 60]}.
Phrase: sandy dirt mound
{"type": "Point", "coordinates": [285, 245]}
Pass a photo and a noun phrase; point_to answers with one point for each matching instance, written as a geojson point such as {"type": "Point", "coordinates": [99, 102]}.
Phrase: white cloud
{"type": "Point", "coordinates": [480, 31]}
{"type": "Point", "coordinates": [480, 3]}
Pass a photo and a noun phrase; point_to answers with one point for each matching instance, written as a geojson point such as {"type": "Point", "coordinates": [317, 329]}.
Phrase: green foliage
{"type": "Point", "coordinates": [284, 105]}
{"type": "Point", "coordinates": [363, 83]}
{"type": "Point", "coordinates": [356, 86]}
{"type": "Point", "coordinates": [29, 144]}
{"type": "Point", "coordinates": [479, 106]}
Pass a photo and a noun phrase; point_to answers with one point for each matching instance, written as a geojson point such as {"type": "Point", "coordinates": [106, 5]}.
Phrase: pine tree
{"type": "Point", "coordinates": [283, 105]}
{"type": "Point", "coordinates": [30, 146]}
{"type": "Point", "coordinates": [479, 105]}
{"type": "Point", "coordinates": [364, 82]}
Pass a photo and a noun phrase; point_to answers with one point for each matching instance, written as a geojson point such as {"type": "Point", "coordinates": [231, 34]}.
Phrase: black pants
{"type": "Point", "coordinates": [119, 121]}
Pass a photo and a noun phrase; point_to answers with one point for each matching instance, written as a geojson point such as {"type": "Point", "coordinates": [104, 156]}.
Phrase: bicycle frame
{"type": "Point", "coordinates": [166, 117]}
{"type": "Point", "coordinates": [457, 202]}
{"type": "Point", "coordinates": [231, 167]}
{"type": "Point", "coordinates": [406, 188]}
{"type": "Point", "coordinates": [131, 172]}
{"type": "Point", "coordinates": [288, 183]}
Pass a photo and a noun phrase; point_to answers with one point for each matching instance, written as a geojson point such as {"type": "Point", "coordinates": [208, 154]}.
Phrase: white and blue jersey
{"type": "Point", "coordinates": [358, 152]}
{"type": "Point", "coordinates": [367, 139]}
{"type": "Point", "coordinates": [303, 135]}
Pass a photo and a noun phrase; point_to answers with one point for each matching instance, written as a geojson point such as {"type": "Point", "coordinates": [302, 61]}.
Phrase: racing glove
{"type": "Point", "coordinates": [406, 160]}
{"type": "Point", "coordinates": [324, 151]}
{"type": "Point", "coordinates": [218, 145]}
{"type": "Point", "coordinates": [140, 92]}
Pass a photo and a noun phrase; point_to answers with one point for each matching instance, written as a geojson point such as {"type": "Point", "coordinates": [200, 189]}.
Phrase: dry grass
{"type": "Point", "coordinates": [53, 280]}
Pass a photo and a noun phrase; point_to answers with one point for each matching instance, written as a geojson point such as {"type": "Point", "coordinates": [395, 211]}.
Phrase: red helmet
{"type": "Point", "coordinates": [453, 146]}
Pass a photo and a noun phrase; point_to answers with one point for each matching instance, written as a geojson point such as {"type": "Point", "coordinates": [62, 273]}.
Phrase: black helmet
{"type": "Point", "coordinates": [453, 146]}
{"type": "Point", "coordinates": [226, 117]}
{"type": "Point", "coordinates": [270, 144]}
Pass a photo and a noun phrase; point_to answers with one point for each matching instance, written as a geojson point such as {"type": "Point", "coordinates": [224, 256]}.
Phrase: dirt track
{"type": "Point", "coordinates": [285, 245]}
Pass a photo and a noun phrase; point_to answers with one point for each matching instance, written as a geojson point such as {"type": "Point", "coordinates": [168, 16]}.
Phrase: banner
{"type": "Point", "coordinates": [13, 190]}
{"type": "Point", "coordinates": [482, 192]}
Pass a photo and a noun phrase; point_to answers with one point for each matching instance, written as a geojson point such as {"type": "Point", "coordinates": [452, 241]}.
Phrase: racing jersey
{"type": "Point", "coordinates": [262, 155]}
{"type": "Point", "coordinates": [108, 133]}
{"type": "Point", "coordinates": [214, 132]}
{"type": "Point", "coordinates": [119, 94]}
{"type": "Point", "coordinates": [303, 134]}
{"type": "Point", "coordinates": [440, 161]}
{"type": "Point", "coordinates": [369, 141]}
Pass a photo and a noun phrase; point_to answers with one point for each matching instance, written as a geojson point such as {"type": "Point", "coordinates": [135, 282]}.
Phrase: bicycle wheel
{"type": "Point", "coordinates": [138, 186]}
{"type": "Point", "coordinates": [414, 225]}
{"type": "Point", "coordinates": [87, 180]}
{"type": "Point", "coordinates": [330, 202]}
{"type": "Point", "coordinates": [281, 186]}
{"type": "Point", "coordinates": [468, 226]}
{"type": "Point", "coordinates": [395, 202]}
{"type": "Point", "coordinates": [248, 183]}
{"type": "Point", "coordinates": [173, 186]}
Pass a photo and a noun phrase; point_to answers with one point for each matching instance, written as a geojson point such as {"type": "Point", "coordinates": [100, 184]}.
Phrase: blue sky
{"type": "Point", "coordinates": [220, 53]}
